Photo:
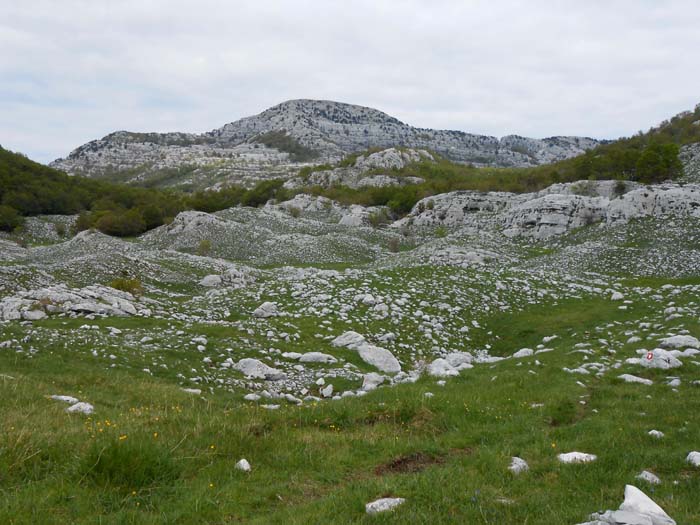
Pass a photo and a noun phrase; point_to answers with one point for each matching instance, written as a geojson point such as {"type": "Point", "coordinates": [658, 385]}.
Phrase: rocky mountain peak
{"type": "Point", "coordinates": [319, 111]}
{"type": "Point", "coordinates": [273, 142]}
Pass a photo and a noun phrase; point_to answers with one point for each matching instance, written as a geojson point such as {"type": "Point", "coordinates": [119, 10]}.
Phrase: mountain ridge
{"type": "Point", "coordinates": [329, 129]}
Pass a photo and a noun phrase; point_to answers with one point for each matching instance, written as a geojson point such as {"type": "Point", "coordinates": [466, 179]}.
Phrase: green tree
{"type": "Point", "coordinates": [9, 218]}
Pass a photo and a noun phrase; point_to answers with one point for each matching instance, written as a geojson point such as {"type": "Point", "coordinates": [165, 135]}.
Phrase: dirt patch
{"type": "Point", "coordinates": [417, 462]}
{"type": "Point", "coordinates": [408, 464]}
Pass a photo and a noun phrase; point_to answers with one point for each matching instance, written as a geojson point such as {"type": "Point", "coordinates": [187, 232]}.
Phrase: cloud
{"type": "Point", "coordinates": [75, 70]}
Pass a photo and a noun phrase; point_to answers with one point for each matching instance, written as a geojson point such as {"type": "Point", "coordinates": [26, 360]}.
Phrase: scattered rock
{"type": "Point", "coordinates": [267, 309]}
{"type": "Point", "coordinates": [649, 477]}
{"type": "Point", "coordinates": [383, 505]}
{"type": "Point", "coordinates": [518, 465]}
{"type": "Point", "coordinates": [258, 370]}
{"type": "Point", "coordinates": [242, 465]}
{"type": "Point", "coordinates": [81, 408]}
{"type": "Point", "coordinates": [694, 458]}
{"type": "Point", "coordinates": [577, 457]}
{"type": "Point", "coordinates": [636, 509]}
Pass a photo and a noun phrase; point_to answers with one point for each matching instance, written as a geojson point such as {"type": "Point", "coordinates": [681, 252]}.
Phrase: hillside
{"type": "Point", "coordinates": [346, 362]}
{"type": "Point", "coordinates": [397, 331]}
{"type": "Point", "coordinates": [273, 143]}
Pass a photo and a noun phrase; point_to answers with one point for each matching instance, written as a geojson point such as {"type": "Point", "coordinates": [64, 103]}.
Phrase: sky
{"type": "Point", "coordinates": [75, 70]}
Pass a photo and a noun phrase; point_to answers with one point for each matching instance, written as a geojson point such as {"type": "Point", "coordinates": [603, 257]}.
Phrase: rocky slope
{"type": "Point", "coordinates": [324, 130]}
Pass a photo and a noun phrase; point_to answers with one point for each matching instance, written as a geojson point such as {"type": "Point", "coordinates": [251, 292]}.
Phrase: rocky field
{"type": "Point", "coordinates": [489, 358]}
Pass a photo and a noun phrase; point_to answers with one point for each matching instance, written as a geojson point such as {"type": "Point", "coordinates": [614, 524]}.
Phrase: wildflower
{"type": "Point", "coordinates": [554, 445]}
{"type": "Point", "coordinates": [121, 438]}
{"type": "Point", "coordinates": [155, 435]}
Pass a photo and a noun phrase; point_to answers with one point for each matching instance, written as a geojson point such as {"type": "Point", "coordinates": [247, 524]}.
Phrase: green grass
{"type": "Point", "coordinates": [154, 454]}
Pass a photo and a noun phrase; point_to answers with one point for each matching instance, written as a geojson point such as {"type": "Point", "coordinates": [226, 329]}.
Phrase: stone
{"type": "Point", "coordinates": [629, 378]}
{"type": "Point", "coordinates": [327, 391]}
{"type": "Point", "coordinates": [242, 465]}
{"type": "Point", "coordinates": [523, 352]}
{"type": "Point", "coordinates": [66, 399]}
{"type": "Point", "coordinates": [639, 503]}
{"type": "Point", "coordinates": [267, 309]}
{"type": "Point", "coordinates": [693, 458]}
{"type": "Point", "coordinates": [380, 358]}
{"type": "Point", "coordinates": [211, 281]}
{"type": "Point", "coordinates": [576, 457]}
{"type": "Point", "coordinates": [383, 505]}
{"type": "Point", "coordinates": [317, 357]}
{"type": "Point", "coordinates": [371, 381]}
{"type": "Point", "coordinates": [459, 360]}
{"type": "Point", "coordinates": [518, 465]}
{"type": "Point", "coordinates": [258, 370]}
{"type": "Point", "coordinates": [193, 391]}
{"type": "Point", "coordinates": [680, 341]}
{"type": "Point", "coordinates": [636, 509]}
{"type": "Point", "coordinates": [660, 359]}
{"type": "Point", "coordinates": [349, 340]}
{"type": "Point", "coordinates": [33, 315]}
{"type": "Point", "coordinates": [649, 477]}
{"type": "Point", "coordinates": [81, 408]}
{"type": "Point", "coordinates": [441, 368]}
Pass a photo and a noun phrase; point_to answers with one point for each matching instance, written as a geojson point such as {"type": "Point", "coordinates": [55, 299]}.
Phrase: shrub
{"type": "Point", "coordinates": [394, 245]}
{"type": "Point", "coordinates": [378, 218]}
{"type": "Point", "coordinates": [133, 286]}
{"type": "Point", "coordinates": [60, 229]}
{"type": "Point", "coordinates": [204, 247]}
{"type": "Point", "coordinates": [441, 232]}
{"type": "Point", "coordinates": [294, 211]}
{"type": "Point", "coordinates": [9, 218]}
{"type": "Point", "coordinates": [619, 188]}
{"type": "Point", "coordinates": [288, 144]}
{"type": "Point", "coordinates": [121, 224]}
{"type": "Point", "coordinates": [262, 193]}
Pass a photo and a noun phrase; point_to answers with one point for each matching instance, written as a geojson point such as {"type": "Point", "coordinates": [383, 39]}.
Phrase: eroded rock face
{"type": "Point", "coordinates": [553, 215]}
{"type": "Point", "coordinates": [556, 209]}
{"type": "Point", "coordinates": [37, 304]}
{"type": "Point", "coordinates": [363, 173]}
{"type": "Point", "coordinates": [667, 199]}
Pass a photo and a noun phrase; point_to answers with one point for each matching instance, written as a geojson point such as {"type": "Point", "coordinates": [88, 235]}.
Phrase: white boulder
{"type": "Point", "coordinates": [694, 458]}
{"type": "Point", "coordinates": [576, 457]}
{"type": "Point", "coordinates": [383, 505]}
{"type": "Point", "coordinates": [317, 357]}
{"type": "Point", "coordinates": [81, 408]}
{"type": "Point", "coordinates": [242, 465]}
{"type": "Point", "coordinates": [267, 309]}
{"type": "Point", "coordinates": [256, 369]}
{"type": "Point", "coordinates": [518, 465]}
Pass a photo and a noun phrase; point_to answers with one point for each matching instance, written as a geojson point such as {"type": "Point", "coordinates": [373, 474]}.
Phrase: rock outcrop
{"type": "Point", "coordinates": [34, 305]}
{"type": "Point", "coordinates": [556, 209]}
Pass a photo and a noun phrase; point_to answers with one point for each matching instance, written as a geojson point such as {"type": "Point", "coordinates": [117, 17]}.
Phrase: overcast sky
{"type": "Point", "coordinates": [74, 70]}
